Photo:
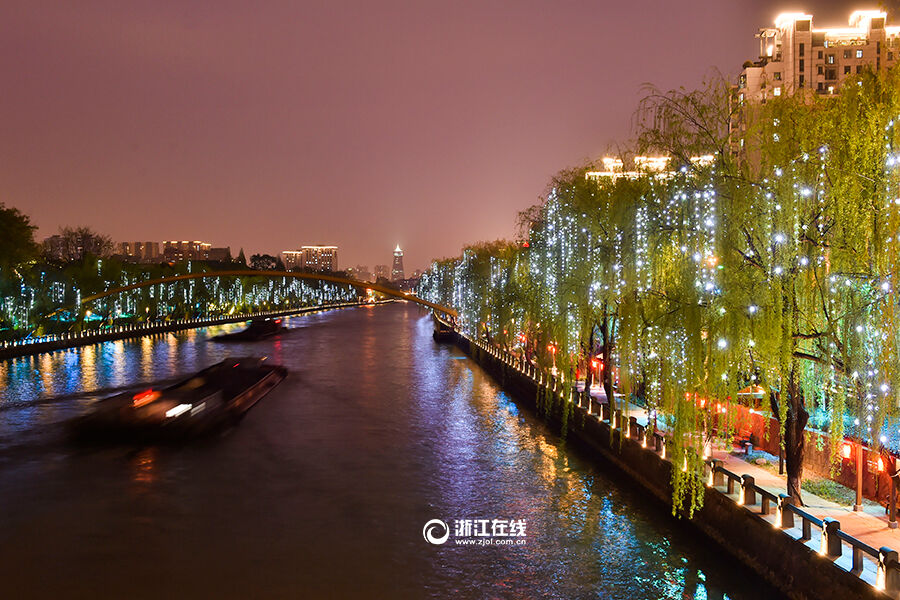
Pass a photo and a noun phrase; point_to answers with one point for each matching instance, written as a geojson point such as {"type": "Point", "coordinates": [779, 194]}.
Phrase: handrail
{"type": "Point", "coordinates": [807, 516]}
{"type": "Point", "coordinates": [871, 551]}
{"type": "Point", "coordinates": [832, 536]}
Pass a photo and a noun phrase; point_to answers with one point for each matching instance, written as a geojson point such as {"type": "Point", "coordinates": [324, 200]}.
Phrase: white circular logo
{"type": "Point", "coordinates": [436, 532]}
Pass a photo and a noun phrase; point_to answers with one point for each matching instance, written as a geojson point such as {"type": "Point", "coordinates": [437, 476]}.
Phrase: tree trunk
{"type": "Point", "coordinates": [606, 352]}
{"type": "Point", "coordinates": [794, 440]}
{"type": "Point", "coordinates": [589, 375]}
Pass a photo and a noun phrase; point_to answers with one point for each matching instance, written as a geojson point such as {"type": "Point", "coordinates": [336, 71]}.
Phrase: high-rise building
{"type": "Point", "coordinates": [320, 258]}
{"type": "Point", "coordinates": [292, 259]}
{"type": "Point", "coordinates": [311, 258]}
{"type": "Point", "coordinates": [397, 267]}
{"type": "Point", "coordinates": [794, 55]}
{"type": "Point", "coordinates": [75, 244]}
{"type": "Point", "coordinates": [175, 251]}
{"type": "Point", "coordinates": [381, 272]}
{"type": "Point", "coordinates": [140, 251]}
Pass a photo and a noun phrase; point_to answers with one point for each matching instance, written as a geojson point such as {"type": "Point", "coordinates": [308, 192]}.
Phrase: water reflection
{"type": "Point", "coordinates": [324, 488]}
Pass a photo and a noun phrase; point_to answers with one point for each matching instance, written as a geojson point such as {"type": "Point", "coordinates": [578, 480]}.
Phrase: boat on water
{"type": "Point", "coordinates": [257, 329]}
{"type": "Point", "coordinates": [208, 401]}
{"type": "Point", "coordinates": [443, 330]}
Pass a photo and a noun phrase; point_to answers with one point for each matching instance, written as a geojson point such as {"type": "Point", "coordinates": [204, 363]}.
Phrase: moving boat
{"type": "Point", "coordinates": [207, 401]}
{"type": "Point", "coordinates": [258, 329]}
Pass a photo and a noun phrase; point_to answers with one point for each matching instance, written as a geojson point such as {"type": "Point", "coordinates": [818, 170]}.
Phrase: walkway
{"type": "Point", "coordinates": [869, 526]}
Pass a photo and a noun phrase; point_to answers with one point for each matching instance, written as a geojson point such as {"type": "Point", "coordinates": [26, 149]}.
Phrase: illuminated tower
{"type": "Point", "coordinates": [397, 267]}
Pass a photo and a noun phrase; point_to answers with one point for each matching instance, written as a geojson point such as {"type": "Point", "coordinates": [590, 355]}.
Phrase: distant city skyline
{"type": "Point", "coordinates": [256, 126]}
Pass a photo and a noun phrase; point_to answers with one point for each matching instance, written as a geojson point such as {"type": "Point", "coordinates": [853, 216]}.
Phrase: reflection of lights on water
{"type": "Point", "coordinates": [144, 466]}
{"type": "Point", "coordinates": [89, 367]}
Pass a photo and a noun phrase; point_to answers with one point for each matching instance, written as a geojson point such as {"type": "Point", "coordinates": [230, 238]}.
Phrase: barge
{"type": "Point", "coordinates": [208, 401]}
{"type": "Point", "coordinates": [258, 329]}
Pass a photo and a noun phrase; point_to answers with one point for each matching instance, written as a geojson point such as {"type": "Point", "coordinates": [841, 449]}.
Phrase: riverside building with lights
{"type": "Point", "coordinates": [311, 258]}
{"type": "Point", "coordinates": [796, 57]}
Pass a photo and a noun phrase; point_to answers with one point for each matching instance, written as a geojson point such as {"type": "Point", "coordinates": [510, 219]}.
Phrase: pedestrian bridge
{"type": "Point", "coordinates": [362, 285]}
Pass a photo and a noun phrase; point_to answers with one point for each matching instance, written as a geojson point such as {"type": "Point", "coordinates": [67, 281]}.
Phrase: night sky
{"type": "Point", "coordinates": [267, 125]}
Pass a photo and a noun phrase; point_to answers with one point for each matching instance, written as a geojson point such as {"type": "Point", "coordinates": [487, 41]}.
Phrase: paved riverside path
{"type": "Point", "coordinates": [869, 526]}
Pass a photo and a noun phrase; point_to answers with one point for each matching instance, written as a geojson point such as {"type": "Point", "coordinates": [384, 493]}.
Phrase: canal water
{"type": "Point", "coordinates": [324, 489]}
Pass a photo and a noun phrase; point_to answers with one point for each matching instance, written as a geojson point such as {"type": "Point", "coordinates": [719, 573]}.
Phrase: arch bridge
{"type": "Point", "coordinates": [323, 277]}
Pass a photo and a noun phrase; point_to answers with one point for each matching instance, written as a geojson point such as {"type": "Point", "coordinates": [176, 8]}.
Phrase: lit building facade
{"type": "Point", "coordinates": [381, 272]}
{"type": "Point", "coordinates": [141, 251]}
{"type": "Point", "coordinates": [311, 258]}
{"type": "Point", "coordinates": [75, 244]}
{"type": "Point", "coordinates": [292, 259]}
{"type": "Point", "coordinates": [794, 55]}
{"type": "Point", "coordinates": [174, 251]}
{"type": "Point", "coordinates": [397, 266]}
{"type": "Point", "coordinates": [656, 166]}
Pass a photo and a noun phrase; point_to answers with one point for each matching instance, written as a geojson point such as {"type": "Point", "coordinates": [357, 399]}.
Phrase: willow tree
{"type": "Point", "coordinates": [858, 296]}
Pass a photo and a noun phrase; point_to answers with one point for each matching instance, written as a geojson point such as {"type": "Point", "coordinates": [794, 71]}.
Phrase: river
{"type": "Point", "coordinates": [323, 490]}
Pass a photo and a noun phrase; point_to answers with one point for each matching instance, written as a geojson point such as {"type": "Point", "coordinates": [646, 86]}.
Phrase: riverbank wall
{"type": "Point", "coordinates": [736, 526]}
{"type": "Point", "coordinates": [122, 332]}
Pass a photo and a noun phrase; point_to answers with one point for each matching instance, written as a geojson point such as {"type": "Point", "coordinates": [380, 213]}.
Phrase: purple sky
{"type": "Point", "coordinates": [267, 125]}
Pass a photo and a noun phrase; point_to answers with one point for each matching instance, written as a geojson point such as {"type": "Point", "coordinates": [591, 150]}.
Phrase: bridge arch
{"type": "Point", "coordinates": [274, 275]}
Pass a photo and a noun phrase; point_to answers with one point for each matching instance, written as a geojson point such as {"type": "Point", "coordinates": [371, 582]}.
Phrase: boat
{"type": "Point", "coordinates": [257, 329]}
{"type": "Point", "coordinates": [443, 330]}
{"type": "Point", "coordinates": [208, 401]}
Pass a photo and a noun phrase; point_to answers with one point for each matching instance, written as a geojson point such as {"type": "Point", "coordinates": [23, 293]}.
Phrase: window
{"type": "Point", "coordinates": [890, 56]}
{"type": "Point", "coordinates": [859, 53]}
{"type": "Point", "coordinates": [776, 75]}
{"type": "Point", "coordinates": [820, 87]}
{"type": "Point", "coordinates": [802, 79]}
{"type": "Point", "coordinates": [776, 91]}
{"type": "Point", "coordinates": [802, 49]}
{"type": "Point", "coordinates": [820, 55]}
{"type": "Point", "coordinates": [802, 65]}
{"type": "Point", "coordinates": [846, 54]}
{"type": "Point", "coordinates": [829, 60]}
{"type": "Point", "coordinates": [859, 68]}
{"type": "Point", "coordinates": [830, 74]}
{"type": "Point", "coordinates": [820, 69]}
{"type": "Point", "coordinates": [847, 70]}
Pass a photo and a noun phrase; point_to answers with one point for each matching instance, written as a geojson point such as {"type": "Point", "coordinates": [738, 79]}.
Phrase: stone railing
{"type": "Point", "coordinates": [878, 567]}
